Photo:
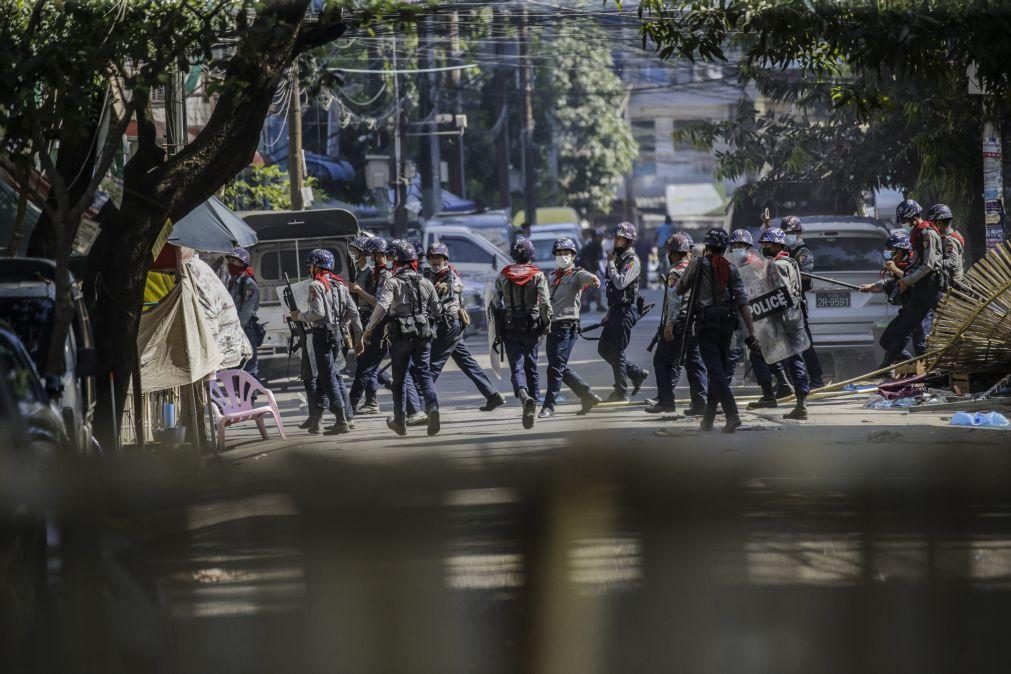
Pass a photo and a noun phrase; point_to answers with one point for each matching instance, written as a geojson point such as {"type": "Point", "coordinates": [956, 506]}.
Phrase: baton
{"type": "Point", "coordinates": [830, 280]}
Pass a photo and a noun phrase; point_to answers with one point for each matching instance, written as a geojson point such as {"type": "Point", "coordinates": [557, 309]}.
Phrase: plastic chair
{"type": "Point", "coordinates": [232, 393]}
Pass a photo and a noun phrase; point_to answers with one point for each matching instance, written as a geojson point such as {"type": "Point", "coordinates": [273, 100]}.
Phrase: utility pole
{"type": "Point", "coordinates": [399, 167]}
{"type": "Point", "coordinates": [428, 156]}
{"type": "Point", "coordinates": [175, 111]}
{"type": "Point", "coordinates": [502, 139]}
{"type": "Point", "coordinates": [527, 112]}
{"type": "Point", "coordinates": [296, 173]}
{"type": "Point", "coordinates": [456, 157]}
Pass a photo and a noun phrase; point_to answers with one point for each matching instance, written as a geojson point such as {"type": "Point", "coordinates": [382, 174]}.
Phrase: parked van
{"type": "Point", "coordinates": [476, 258]}
{"type": "Point", "coordinates": [285, 239]}
{"type": "Point", "coordinates": [492, 225]}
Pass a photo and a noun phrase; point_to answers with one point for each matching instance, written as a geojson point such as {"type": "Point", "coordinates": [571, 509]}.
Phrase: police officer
{"type": "Point", "coordinates": [330, 308]}
{"type": "Point", "coordinates": [793, 231]}
{"type": "Point", "coordinates": [897, 256]}
{"type": "Point", "coordinates": [673, 334]}
{"type": "Point", "coordinates": [920, 284]}
{"type": "Point", "coordinates": [522, 313]}
{"type": "Point", "coordinates": [245, 293]}
{"type": "Point", "coordinates": [952, 261]}
{"type": "Point", "coordinates": [718, 301]}
{"type": "Point", "coordinates": [622, 289]}
{"type": "Point", "coordinates": [362, 271]}
{"type": "Point", "coordinates": [774, 247]}
{"type": "Point", "coordinates": [448, 341]}
{"type": "Point", "coordinates": [411, 304]}
{"type": "Point", "coordinates": [365, 289]}
{"type": "Point", "coordinates": [565, 288]}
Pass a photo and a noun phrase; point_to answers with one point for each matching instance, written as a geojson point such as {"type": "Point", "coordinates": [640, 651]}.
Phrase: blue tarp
{"type": "Point", "coordinates": [321, 167]}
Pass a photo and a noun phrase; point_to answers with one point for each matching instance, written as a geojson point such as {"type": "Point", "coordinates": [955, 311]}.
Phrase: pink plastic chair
{"type": "Point", "coordinates": [232, 392]}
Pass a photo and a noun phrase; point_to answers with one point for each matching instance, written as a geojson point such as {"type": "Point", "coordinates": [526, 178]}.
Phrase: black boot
{"type": "Point", "coordinates": [768, 398]}
{"type": "Point", "coordinates": [733, 423]}
{"type": "Point", "coordinates": [529, 408]}
{"type": "Point", "coordinates": [799, 412]}
{"type": "Point", "coordinates": [396, 425]}
{"type": "Point", "coordinates": [590, 400]}
{"type": "Point", "coordinates": [657, 408]}
{"type": "Point", "coordinates": [638, 379]}
{"type": "Point", "coordinates": [341, 426]}
{"type": "Point", "coordinates": [708, 418]}
{"type": "Point", "coordinates": [433, 421]}
{"type": "Point", "coordinates": [494, 401]}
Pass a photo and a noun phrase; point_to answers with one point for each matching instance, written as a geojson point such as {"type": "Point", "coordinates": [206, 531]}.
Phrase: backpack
{"type": "Point", "coordinates": [522, 321]}
{"type": "Point", "coordinates": [416, 325]}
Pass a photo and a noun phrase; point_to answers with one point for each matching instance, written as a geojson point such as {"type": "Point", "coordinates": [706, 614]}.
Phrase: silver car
{"type": "Point", "coordinates": [845, 322]}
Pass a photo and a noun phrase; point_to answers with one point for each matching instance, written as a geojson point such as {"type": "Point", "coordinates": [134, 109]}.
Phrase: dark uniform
{"type": "Point", "coordinates": [804, 258]}
{"type": "Point", "coordinates": [245, 293]}
{"type": "Point", "coordinates": [622, 290]}
{"type": "Point", "coordinates": [667, 357]}
{"type": "Point", "coordinates": [411, 304]}
{"type": "Point", "coordinates": [449, 342]}
{"type": "Point", "coordinates": [720, 294]}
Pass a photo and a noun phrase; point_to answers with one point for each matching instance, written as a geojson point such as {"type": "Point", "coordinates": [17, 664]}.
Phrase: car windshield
{"type": "Point", "coordinates": [32, 319]}
{"type": "Point", "coordinates": [542, 249]}
{"type": "Point", "coordinates": [846, 253]}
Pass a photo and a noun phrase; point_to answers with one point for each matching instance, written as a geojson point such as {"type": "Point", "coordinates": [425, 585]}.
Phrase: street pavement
{"type": "Point", "coordinates": [609, 536]}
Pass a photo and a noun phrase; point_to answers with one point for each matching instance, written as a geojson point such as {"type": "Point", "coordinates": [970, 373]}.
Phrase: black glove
{"type": "Point", "coordinates": [753, 345]}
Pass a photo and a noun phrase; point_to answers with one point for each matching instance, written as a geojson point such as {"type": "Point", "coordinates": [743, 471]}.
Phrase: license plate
{"type": "Point", "coordinates": [839, 299]}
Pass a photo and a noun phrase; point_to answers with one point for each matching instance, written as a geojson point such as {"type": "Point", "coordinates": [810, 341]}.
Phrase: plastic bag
{"type": "Point", "coordinates": [983, 419]}
{"type": "Point", "coordinates": [904, 402]}
{"type": "Point", "coordinates": [876, 402]}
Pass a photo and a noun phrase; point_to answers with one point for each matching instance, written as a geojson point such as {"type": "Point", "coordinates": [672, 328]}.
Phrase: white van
{"type": "Point", "coordinates": [477, 259]}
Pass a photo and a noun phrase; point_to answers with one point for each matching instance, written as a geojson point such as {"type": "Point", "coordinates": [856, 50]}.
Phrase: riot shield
{"type": "Point", "coordinates": [490, 298]}
{"type": "Point", "coordinates": [778, 319]}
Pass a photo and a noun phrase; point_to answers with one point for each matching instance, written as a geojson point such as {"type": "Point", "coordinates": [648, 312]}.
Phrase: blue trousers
{"type": "Point", "coordinates": [764, 371]}
{"type": "Point", "coordinates": [448, 344]}
{"type": "Point", "coordinates": [614, 339]}
{"type": "Point", "coordinates": [668, 370]}
{"type": "Point", "coordinates": [558, 346]}
{"type": "Point", "coordinates": [715, 349]}
{"type": "Point", "coordinates": [522, 357]}
{"type": "Point", "coordinates": [366, 381]}
{"type": "Point", "coordinates": [912, 317]}
{"type": "Point", "coordinates": [411, 361]}
{"type": "Point", "coordinates": [796, 370]}
{"type": "Point", "coordinates": [251, 364]}
{"type": "Point", "coordinates": [328, 391]}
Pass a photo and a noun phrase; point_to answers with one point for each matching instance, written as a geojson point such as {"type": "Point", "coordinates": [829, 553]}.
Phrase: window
{"type": "Point", "coordinates": [644, 132]}
{"type": "Point", "coordinates": [462, 251]}
{"type": "Point", "coordinates": [681, 125]}
{"type": "Point", "coordinates": [32, 320]}
{"type": "Point", "coordinates": [846, 253]}
{"type": "Point", "coordinates": [21, 377]}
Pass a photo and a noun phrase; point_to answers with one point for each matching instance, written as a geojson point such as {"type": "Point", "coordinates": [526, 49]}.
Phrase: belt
{"type": "Point", "coordinates": [565, 323]}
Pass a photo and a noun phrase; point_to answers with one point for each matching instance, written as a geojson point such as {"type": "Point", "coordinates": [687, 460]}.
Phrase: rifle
{"type": "Point", "coordinates": [296, 340]}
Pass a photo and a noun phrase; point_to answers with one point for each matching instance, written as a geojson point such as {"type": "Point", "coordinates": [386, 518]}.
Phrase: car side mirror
{"type": "Point", "coordinates": [54, 387]}
{"type": "Point", "coordinates": [494, 262]}
{"type": "Point", "coordinates": [87, 362]}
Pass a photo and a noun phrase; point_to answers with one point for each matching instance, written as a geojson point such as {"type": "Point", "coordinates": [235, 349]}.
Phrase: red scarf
{"type": "Point", "coordinates": [783, 254]}
{"type": "Point", "coordinates": [919, 231]}
{"type": "Point", "coordinates": [401, 266]}
{"type": "Point", "coordinates": [324, 278]}
{"type": "Point", "coordinates": [236, 270]}
{"type": "Point", "coordinates": [957, 237]}
{"type": "Point", "coordinates": [559, 274]}
{"type": "Point", "coordinates": [721, 271]}
{"type": "Point", "coordinates": [520, 274]}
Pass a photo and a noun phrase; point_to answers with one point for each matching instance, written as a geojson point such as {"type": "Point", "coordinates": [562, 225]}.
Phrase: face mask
{"type": "Point", "coordinates": [563, 261]}
{"type": "Point", "coordinates": [236, 269]}
{"type": "Point", "coordinates": [768, 252]}
{"type": "Point", "coordinates": [791, 239]}
{"type": "Point", "coordinates": [888, 254]}
{"type": "Point", "coordinates": [437, 267]}
{"type": "Point", "coordinates": [740, 255]}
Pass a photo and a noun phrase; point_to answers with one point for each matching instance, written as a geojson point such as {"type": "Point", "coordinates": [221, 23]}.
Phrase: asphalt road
{"type": "Point", "coordinates": [857, 541]}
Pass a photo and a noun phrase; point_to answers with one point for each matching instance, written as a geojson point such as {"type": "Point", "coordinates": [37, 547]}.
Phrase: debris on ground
{"type": "Point", "coordinates": [986, 420]}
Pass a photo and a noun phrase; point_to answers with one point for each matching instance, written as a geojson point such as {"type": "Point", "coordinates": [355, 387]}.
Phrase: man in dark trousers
{"type": "Point", "coordinates": [245, 293]}
{"type": "Point", "coordinates": [410, 303]}
{"type": "Point", "coordinates": [622, 288]}
{"type": "Point", "coordinates": [448, 341]}
{"type": "Point", "coordinates": [522, 311]}
{"type": "Point", "coordinates": [719, 301]}
{"type": "Point", "coordinates": [793, 230]}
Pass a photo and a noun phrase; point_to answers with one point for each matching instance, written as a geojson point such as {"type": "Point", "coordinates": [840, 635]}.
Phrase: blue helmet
{"type": "Point", "coordinates": [939, 212]}
{"type": "Point", "coordinates": [375, 245]}
{"type": "Point", "coordinates": [403, 251]}
{"type": "Point", "coordinates": [438, 248]}
{"type": "Point", "coordinates": [321, 258]}
{"type": "Point", "coordinates": [523, 249]}
{"type": "Point", "coordinates": [563, 243]}
{"type": "Point", "coordinates": [791, 224]}
{"type": "Point", "coordinates": [742, 236]}
{"type": "Point", "coordinates": [240, 254]}
{"type": "Point", "coordinates": [773, 235]}
{"type": "Point", "coordinates": [679, 242]}
{"type": "Point", "coordinates": [717, 238]}
{"type": "Point", "coordinates": [906, 210]}
{"type": "Point", "coordinates": [626, 230]}
{"type": "Point", "coordinates": [359, 242]}
{"type": "Point", "coordinates": [899, 239]}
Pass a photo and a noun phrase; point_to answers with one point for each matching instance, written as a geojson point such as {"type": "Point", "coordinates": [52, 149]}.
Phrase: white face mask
{"type": "Point", "coordinates": [740, 255]}
{"type": "Point", "coordinates": [437, 267]}
{"type": "Point", "coordinates": [564, 261]}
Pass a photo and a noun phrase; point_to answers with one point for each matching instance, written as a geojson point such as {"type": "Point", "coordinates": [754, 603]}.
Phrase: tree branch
{"type": "Point", "coordinates": [328, 28]}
